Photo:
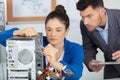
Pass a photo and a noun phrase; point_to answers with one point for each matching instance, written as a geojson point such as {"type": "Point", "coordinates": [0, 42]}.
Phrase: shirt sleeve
{"type": "Point", "coordinates": [4, 35]}
{"type": "Point", "coordinates": [89, 47]}
{"type": "Point", "coordinates": [75, 62]}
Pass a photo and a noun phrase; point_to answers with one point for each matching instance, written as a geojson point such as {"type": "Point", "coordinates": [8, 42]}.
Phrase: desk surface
{"type": "Point", "coordinates": [113, 79]}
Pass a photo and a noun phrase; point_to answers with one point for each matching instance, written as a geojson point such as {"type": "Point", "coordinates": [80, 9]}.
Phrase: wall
{"type": "Point", "coordinates": [74, 34]}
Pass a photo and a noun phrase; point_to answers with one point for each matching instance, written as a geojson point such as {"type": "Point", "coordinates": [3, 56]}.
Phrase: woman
{"type": "Point", "coordinates": [60, 53]}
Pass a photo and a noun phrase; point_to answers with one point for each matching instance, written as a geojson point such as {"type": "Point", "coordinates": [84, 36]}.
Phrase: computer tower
{"type": "Point", "coordinates": [24, 57]}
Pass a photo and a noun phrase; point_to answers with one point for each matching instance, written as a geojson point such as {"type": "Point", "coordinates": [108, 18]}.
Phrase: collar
{"type": "Point", "coordinates": [106, 25]}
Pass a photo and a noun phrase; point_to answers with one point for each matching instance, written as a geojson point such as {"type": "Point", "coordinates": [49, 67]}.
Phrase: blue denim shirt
{"type": "Point", "coordinates": [4, 35]}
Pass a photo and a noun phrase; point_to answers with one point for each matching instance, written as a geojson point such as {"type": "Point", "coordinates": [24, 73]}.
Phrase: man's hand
{"type": "Point", "coordinates": [116, 56]}
{"type": "Point", "coordinates": [93, 67]}
{"type": "Point", "coordinates": [28, 32]}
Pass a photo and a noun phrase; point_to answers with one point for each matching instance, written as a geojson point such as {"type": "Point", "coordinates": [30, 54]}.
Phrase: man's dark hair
{"type": "Point", "coordinates": [83, 4]}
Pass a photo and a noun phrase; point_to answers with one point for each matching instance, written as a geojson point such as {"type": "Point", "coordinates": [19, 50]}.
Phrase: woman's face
{"type": "Point", "coordinates": [55, 31]}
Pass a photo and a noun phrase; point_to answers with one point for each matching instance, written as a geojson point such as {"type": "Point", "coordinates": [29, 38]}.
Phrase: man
{"type": "Point", "coordinates": [100, 28]}
{"type": "Point", "coordinates": [28, 32]}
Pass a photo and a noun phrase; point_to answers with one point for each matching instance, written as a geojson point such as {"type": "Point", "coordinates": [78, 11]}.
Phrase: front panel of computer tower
{"type": "Point", "coordinates": [24, 57]}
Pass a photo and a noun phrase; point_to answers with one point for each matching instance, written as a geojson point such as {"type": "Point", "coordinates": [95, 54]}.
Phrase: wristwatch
{"type": "Point", "coordinates": [64, 67]}
{"type": "Point", "coordinates": [67, 72]}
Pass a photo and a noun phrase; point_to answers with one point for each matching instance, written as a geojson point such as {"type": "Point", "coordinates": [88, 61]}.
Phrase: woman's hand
{"type": "Point", "coordinates": [50, 53]}
{"type": "Point", "coordinates": [28, 32]}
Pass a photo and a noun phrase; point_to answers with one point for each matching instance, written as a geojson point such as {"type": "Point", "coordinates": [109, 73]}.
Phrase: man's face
{"type": "Point", "coordinates": [92, 18]}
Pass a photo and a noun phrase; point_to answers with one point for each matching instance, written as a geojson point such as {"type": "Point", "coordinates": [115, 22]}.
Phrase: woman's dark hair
{"type": "Point", "coordinates": [59, 13]}
{"type": "Point", "coordinates": [83, 4]}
